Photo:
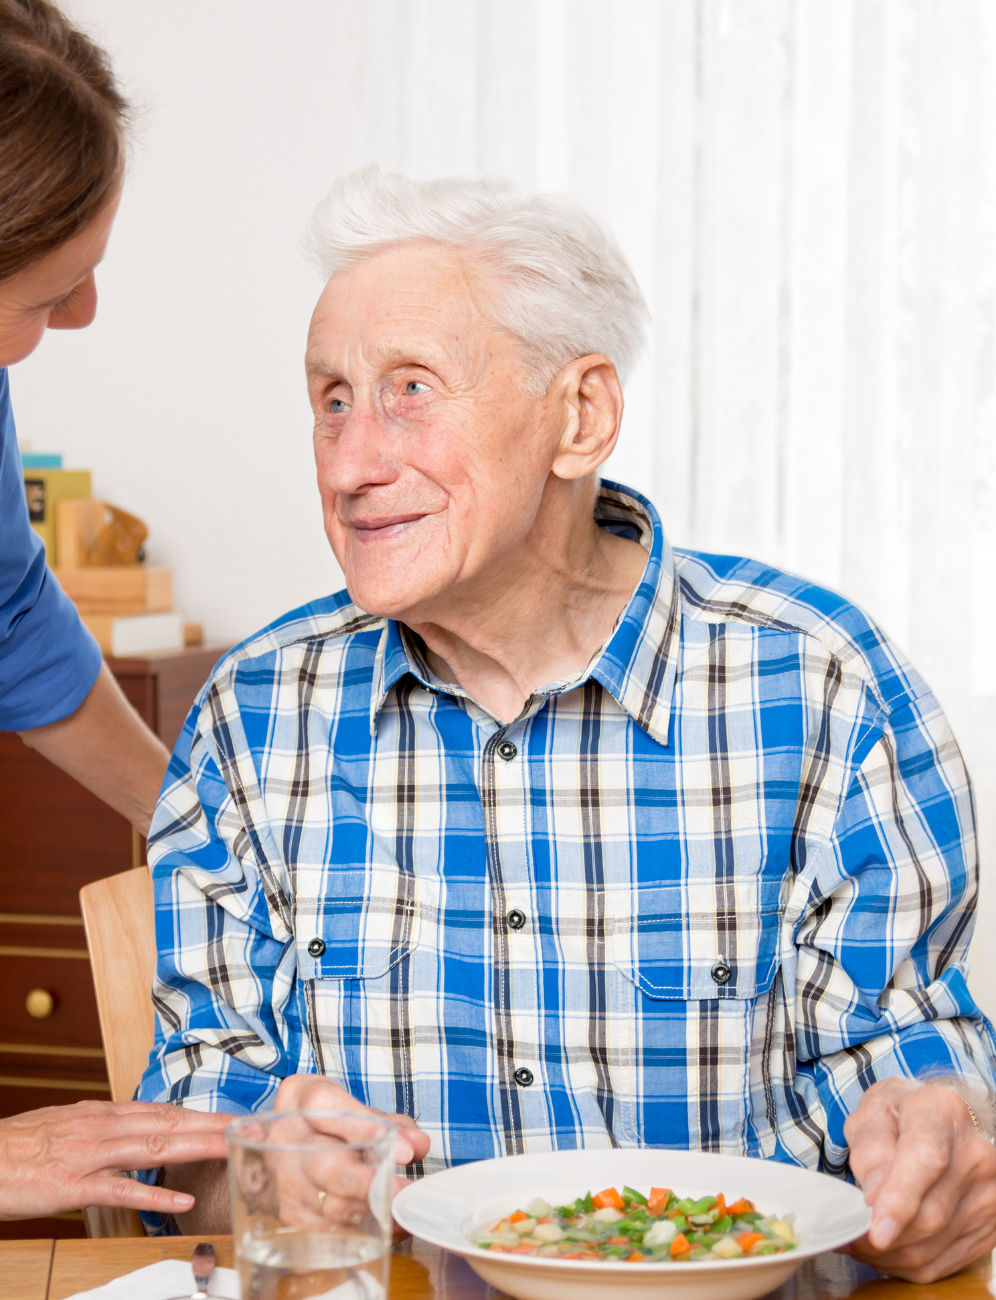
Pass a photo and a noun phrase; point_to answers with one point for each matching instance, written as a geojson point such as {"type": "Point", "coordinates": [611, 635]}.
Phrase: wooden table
{"type": "Point", "coordinates": [47, 1270]}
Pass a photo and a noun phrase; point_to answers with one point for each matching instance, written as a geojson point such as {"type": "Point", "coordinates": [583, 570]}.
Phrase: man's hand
{"type": "Point", "coordinates": [929, 1176]}
{"type": "Point", "coordinates": [315, 1092]}
{"type": "Point", "coordinates": [63, 1158]}
{"type": "Point", "coordinates": [297, 1092]}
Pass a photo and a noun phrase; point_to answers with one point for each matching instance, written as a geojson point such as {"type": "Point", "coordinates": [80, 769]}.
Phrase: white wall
{"type": "Point", "coordinates": [807, 192]}
{"type": "Point", "coordinates": [186, 396]}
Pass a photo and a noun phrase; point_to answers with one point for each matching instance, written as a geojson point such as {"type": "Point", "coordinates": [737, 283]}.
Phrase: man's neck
{"type": "Point", "coordinates": [539, 620]}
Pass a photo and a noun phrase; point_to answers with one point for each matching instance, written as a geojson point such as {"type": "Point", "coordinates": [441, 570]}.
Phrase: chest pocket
{"type": "Point", "coordinates": [697, 977]}
{"type": "Point", "coordinates": [673, 943]}
{"type": "Point", "coordinates": [362, 920]}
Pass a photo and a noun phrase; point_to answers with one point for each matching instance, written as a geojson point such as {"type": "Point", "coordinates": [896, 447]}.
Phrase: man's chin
{"type": "Point", "coordinates": [399, 601]}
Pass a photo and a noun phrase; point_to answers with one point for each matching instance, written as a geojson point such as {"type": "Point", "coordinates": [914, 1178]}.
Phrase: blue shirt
{"type": "Point", "coordinates": [48, 660]}
{"type": "Point", "coordinates": [701, 894]}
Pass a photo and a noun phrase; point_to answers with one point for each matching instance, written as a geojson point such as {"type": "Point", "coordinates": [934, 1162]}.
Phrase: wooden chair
{"type": "Point", "coordinates": [120, 933]}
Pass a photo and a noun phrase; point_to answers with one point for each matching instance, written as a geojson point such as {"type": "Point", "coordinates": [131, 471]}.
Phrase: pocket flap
{"type": "Point", "coordinates": [670, 951]}
{"type": "Point", "coordinates": [360, 925]}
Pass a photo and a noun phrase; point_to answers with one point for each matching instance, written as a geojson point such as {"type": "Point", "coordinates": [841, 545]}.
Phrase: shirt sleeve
{"type": "Point", "coordinates": [227, 1023]}
{"type": "Point", "coordinates": [48, 660]}
{"type": "Point", "coordinates": [883, 933]}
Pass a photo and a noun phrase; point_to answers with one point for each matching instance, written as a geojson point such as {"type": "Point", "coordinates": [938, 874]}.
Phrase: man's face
{"type": "Point", "coordinates": [432, 454]}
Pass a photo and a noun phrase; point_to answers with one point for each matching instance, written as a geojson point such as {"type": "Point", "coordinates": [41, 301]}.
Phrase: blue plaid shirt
{"type": "Point", "coordinates": [701, 894]}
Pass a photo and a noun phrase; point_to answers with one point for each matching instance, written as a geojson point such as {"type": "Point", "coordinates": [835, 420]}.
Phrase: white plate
{"type": "Point", "coordinates": [451, 1207]}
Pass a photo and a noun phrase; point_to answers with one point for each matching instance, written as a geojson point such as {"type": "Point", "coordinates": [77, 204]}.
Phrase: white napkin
{"type": "Point", "coordinates": [174, 1277]}
{"type": "Point", "coordinates": [163, 1281]}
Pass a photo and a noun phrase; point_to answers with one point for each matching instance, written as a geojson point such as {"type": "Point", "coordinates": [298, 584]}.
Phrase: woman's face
{"type": "Point", "coordinates": [56, 293]}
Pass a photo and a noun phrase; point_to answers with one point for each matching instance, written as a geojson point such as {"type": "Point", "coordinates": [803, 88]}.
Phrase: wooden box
{"type": "Point", "coordinates": [121, 589]}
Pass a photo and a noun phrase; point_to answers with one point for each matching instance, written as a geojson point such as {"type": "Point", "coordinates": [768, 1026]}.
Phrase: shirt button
{"type": "Point", "coordinates": [523, 1077]}
{"type": "Point", "coordinates": [507, 751]}
{"type": "Point", "coordinates": [316, 947]}
{"type": "Point", "coordinates": [721, 972]}
{"type": "Point", "coordinates": [516, 919]}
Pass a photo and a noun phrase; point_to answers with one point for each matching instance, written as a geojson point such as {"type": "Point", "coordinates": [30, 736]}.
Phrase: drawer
{"type": "Point", "coordinates": [20, 931]}
{"type": "Point", "coordinates": [19, 1093]}
{"type": "Point", "coordinates": [53, 1067]}
{"type": "Point", "coordinates": [60, 1227]}
{"type": "Point", "coordinates": [56, 836]}
{"type": "Point", "coordinates": [72, 1020]}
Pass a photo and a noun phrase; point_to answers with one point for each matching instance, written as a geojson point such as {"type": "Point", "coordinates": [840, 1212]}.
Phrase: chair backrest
{"type": "Point", "coordinates": [119, 920]}
{"type": "Point", "coordinates": [121, 935]}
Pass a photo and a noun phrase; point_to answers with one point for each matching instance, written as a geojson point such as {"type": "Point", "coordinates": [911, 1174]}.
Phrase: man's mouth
{"type": "Point", "coordinates": [382, 529]}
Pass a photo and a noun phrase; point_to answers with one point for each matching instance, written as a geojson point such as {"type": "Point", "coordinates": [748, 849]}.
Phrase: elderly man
{"type": "Point", "coordinates": [544, 834]}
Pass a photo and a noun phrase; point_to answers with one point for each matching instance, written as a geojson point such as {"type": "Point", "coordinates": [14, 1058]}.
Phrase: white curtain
{"type": "Point", "coordinates": [805, 189]}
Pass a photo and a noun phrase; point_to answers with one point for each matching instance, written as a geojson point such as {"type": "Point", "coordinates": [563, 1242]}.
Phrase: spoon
{"type": "Point", "coordinates": [202, 1262]}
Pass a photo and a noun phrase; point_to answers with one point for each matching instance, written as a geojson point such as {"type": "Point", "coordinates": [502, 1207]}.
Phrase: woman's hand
{"type": "Point", "coordinates": [66, 1157]}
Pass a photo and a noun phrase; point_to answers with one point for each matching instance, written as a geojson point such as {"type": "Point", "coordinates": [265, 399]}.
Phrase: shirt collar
{"type": "Point", "coordinates": [637, 664]}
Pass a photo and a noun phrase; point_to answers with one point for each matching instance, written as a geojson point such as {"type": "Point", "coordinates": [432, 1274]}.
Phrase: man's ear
{"type": "Point", "coordinates": [590, 396]}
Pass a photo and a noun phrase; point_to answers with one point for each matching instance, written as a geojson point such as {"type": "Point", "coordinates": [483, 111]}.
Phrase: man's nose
{"type": "Point", "coordinates": [363, 456]}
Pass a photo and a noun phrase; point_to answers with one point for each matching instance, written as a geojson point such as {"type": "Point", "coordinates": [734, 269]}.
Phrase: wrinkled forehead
{"type": "Point", "coordinates": [400, 303]}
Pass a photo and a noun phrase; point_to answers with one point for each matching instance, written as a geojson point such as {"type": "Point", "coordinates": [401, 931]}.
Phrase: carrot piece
{"type": "Point", "coordinates": [748, 1239]}
{"type": "Point", "coordinates": [524, 1249]}
{"type": "Point", "coordinates": [680, 1246]}
{"type": "Point", "coordinates": [720, 1206]}
{"type": "Point", "coordinates": [495, 1248]}
{"type": "Point", "coordinates": [743, 1206]}
{"type": "Point", "coordinates": [658, 1199]}
{"type": "Point", "coordinates": [518, 1216]}
{"type": "Point", "coordinates": [546, 1219]}
{"type": "Point", "coordinates": [607, 1198]}
{"type": "Point", "coordinates": [619, 1241]}
{"type": "Point", "coordinates": [636, 1256]}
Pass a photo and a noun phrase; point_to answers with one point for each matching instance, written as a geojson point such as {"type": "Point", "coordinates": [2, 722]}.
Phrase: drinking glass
{"type": "Point", "coordinates": [311, 1204]}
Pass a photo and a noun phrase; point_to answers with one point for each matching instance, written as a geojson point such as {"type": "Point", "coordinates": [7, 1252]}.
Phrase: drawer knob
{"type": "Point", "coordinates": [40, 1004]}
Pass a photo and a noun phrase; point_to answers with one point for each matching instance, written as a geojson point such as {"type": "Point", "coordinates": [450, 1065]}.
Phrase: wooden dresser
{"type": "Point", "coordinates": [55, 837]}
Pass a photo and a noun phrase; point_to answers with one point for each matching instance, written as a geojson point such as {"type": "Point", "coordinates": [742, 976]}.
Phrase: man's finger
{"type": "Point", "coordinates": [872, 1133]}
{"type": "Point", "coordinates": [923, 1153]}
{"type": "Point", "coordinates": [927, 1260]}
{"type": "Point", "coordinates": [313, 1092]}
{"type": "Point", "coordinates": [417, 1142]}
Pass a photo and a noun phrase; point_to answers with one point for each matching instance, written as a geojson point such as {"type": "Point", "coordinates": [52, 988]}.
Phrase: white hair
{"type": "Point", "coordinates": [565, 288]}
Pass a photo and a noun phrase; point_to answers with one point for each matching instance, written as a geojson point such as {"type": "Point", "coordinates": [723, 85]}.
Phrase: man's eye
{"type": "Point", "coordinates": [413, 388]}
{"type": "Point", "coordinates": [338, 407]}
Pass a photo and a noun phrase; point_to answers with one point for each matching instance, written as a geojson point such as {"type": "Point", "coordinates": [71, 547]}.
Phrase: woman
{"type": "Point", "coordinates": [62, 125]}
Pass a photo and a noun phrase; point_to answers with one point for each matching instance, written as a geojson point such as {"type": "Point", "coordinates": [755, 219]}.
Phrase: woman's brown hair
{"type": "Point", "coordinates": [62, 122]}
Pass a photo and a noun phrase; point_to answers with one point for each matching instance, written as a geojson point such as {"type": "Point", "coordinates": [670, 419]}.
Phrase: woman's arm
{"type": "Point", "coordinates": [107, 747]}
